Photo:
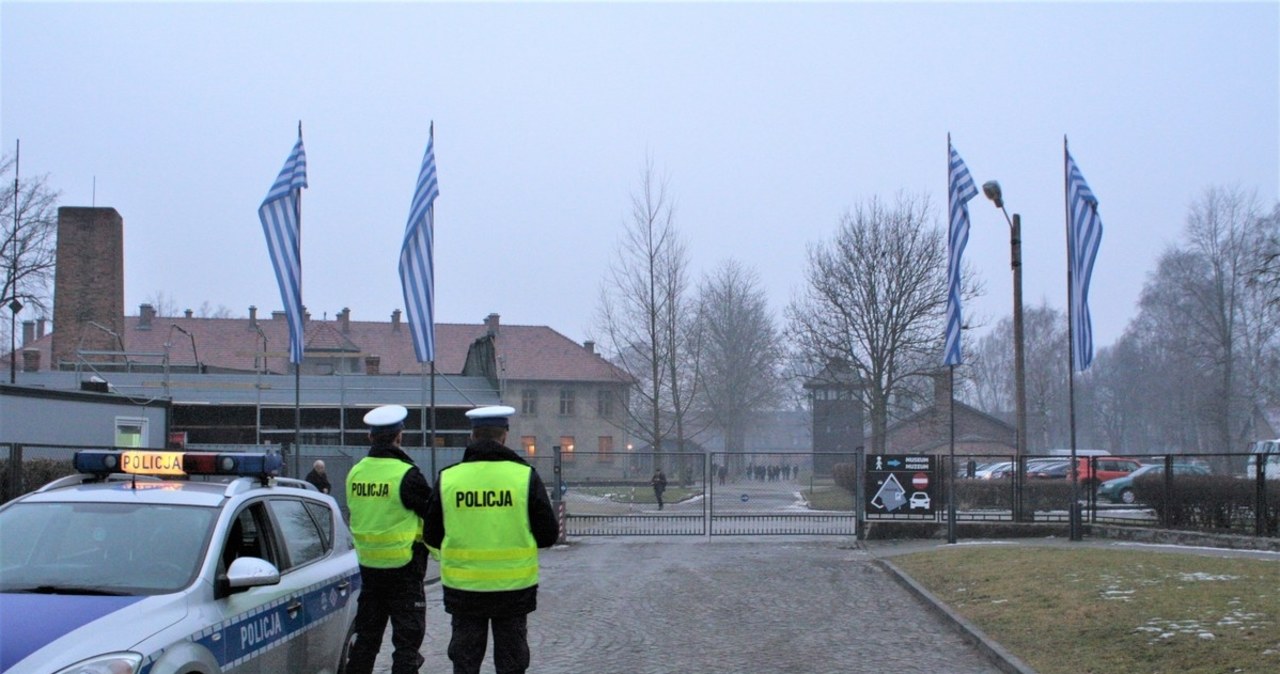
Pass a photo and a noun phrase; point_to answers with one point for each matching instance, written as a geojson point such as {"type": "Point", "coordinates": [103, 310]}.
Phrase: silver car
{"type": "Point", "coordinates": [134, 567]}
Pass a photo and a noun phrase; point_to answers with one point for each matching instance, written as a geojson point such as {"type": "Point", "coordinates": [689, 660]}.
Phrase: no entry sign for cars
{"type": "Point", "coordinates": [901, 486]}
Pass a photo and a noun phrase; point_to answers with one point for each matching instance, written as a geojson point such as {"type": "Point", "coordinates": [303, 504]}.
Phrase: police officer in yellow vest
{"type": "Point", "coordinates": [388, 499]}
{"type": "Point", "coordinates": [488, 517]}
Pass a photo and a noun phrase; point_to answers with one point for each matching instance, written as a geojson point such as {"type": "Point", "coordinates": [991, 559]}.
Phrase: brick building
{"type": "Point", "coordinates": [230, 381]}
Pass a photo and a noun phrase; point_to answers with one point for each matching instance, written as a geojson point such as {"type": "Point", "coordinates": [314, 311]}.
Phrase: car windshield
{"type": "Point", "coordinates": [101, 548]}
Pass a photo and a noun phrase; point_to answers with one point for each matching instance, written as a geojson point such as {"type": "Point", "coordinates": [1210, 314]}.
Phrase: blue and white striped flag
{"type": "Point", "coordinates": [960, 190]}
{"type": "Point", "coordinates": [281, 222]}
{"type": "Point", "coordinates": [1084, 233]}
{"type": "Point", "coordinates": [417, 265]}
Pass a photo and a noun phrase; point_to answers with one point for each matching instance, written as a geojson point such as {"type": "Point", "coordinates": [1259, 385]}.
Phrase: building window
{"type": "Point", "coordinates": [604, 404]}
{"type": "Point", "coordinates": [131, 432]}
{"type": "Point", "coordinates": [530, 444]}
{"type": "Point", "coordinates": [566, 447]}
{"type": "Point", "coordinates": [529, 402]}
{"type": "Point", "coordinates": [566, 402]}
{"type": "Point", "coordinates": [606, 448]}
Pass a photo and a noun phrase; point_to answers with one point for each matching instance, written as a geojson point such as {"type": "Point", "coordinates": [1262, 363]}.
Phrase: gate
{"type": "Point", "coordinates": [718, 494]}
{"type": "Point", "coordinates": [611, 494]}
{"type": "Point", "coordinates": [779, 493]}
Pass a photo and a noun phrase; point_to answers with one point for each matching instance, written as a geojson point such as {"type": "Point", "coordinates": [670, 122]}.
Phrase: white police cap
{"type": "Point", "coordinates": [386, 419]}
{"type": "Point", "coordinates": [493, 415]}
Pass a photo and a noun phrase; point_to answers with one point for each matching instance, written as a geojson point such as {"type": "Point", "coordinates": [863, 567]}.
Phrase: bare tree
{"type": "Point", "coordinates": [28, 249]}
{"type": "Point", "coordinates": [742, 351]}
{"type": "Point", "coordinates": [1044, 335]}
{"type": "Point", "coordinates": [643, 315]}
{"type": "Point", "coordinates": [1221, 232]}
{"type": "Point", "coordinates": [164, 304]}
{"type": "Point", "coordinates": [876, 296]}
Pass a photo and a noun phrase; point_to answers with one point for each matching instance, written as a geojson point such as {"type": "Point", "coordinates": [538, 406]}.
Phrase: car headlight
{"type": "Point", "coordinates": [108, 663]}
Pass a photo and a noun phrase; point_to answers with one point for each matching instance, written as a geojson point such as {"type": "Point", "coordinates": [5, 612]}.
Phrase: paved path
{"type": "Point", "coordinates": [617, 605]}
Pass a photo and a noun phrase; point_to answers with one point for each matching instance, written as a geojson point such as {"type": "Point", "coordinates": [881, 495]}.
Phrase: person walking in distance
{"type": "Point", "coordinates": [488, 516]}
{"type": "Point", "coordinates": [388, 498]}
{"type": "Point", "coordinates": [659, 483]}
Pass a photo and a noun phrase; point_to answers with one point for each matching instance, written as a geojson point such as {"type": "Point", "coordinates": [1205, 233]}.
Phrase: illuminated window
{"type": "Point", "coordinates": [530, 444]}
{"type": "Point", "coordinates": [566, 447]}
{"type": "Point", "coordinates": [566, 402]}
{"type": "Point", "coordinates": [529, 401]}
{"type": "Point", "coordinates": [606, 448]}
{"type": "Point", "coordinates": [131, 432]}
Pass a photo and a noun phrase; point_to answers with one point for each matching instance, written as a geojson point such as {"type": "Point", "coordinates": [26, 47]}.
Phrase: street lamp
{"type": "Point", "coordinates": [992, 190]}
{"type": "Point", "coordinates": [14, 307]}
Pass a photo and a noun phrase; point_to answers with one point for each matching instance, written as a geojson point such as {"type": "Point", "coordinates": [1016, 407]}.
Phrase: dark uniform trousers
{"type": "Point", "coordinates": [395, 595]}
{"type": "Point", "coordinates": [471, 635]}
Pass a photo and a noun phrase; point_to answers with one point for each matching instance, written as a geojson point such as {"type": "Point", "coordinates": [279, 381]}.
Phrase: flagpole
{"type": "Point", "coordinates": [951, 395]}
{"type": "Point", "coordinates": [1074, 518]}
{"type": "Point", "coordinates": [297, 368]}
{"type": "Point", "coordinates": [951, 469]}
{"type": "Point", "coordinates": [433, 407]}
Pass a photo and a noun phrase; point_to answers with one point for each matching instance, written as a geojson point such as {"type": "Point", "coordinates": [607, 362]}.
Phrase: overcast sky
{"type": "Point", "coordinates": [769, 121]}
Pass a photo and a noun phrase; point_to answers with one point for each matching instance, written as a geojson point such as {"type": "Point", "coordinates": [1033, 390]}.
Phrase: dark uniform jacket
{"type": "Point", "coordinates": [542, 523]}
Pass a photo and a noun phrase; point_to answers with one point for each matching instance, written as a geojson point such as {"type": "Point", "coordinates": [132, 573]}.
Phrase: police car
{"type": "Point", "coordinates": [136, 566]}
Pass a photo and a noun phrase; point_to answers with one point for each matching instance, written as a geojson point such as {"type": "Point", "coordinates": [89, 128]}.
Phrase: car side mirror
{"type": "Point", "coordinates": [247, 572]}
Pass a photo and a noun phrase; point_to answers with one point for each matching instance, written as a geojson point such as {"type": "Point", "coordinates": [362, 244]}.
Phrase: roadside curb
{"type": "Point", "coordinates": [1003, 659]}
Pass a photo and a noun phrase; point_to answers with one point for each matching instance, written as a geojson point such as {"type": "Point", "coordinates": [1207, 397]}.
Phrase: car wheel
{"type": "Point", "coordinates": [1126, 496]}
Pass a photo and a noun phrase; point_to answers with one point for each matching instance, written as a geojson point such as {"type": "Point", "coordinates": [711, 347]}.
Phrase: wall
{"type": "Point", "coordinates": [73, 419]}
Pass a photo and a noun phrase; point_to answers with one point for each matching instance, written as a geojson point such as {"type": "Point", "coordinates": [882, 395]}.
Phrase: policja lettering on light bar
{"type": "Point", "coordinates": [484, 499]}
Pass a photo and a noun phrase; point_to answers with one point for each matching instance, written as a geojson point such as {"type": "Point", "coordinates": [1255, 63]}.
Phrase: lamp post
{"type": "Point", "coordinates": [14, 307]}
{"type": "Point", "coordinates": [992, 190]}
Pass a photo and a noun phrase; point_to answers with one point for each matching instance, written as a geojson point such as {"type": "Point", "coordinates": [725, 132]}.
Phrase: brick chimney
{"type": "Point", "coordinates": [395, 321]}
{"type": "Point", "coordinates": [146, 313]}
{"type": "Point", "coordinates": [373, 364]}
{"type": "Point", "coordinates": [31, 360]}
{"type": "Point", "coordinates": [88, 285]}
{"type": "Point", "coordinates": [590, 346]}
{"type": "Point", "coordinates": [277, 315]}
{"type": "Point", "coordinates": [253, 316]}
{"type": "Point", "coordinates": [344, 318]}
{"type": "Point", "coordinates": [188, 313]}
{"type": "Point", "coordinates": [28, 332]}
{"type": "Point", "coordinates": [491, 325]}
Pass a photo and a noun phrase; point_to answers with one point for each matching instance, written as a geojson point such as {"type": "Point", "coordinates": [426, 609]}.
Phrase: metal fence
{"type": "Point", "coordinates": [706, 494]}
{"type": "Point", "coordinates": [780, 493]}
{"type": "Point", "coordinates": [1232, 493]}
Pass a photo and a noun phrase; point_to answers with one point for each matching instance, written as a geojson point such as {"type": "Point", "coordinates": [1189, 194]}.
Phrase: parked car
{"type": "Point", "coordinates": [1094, 470]}
{"type": "Point", "coordinates": [1120, 489]}
{"type": "Point", "coordinates": [994, 471]}
{"type": "Point", "coordinates": [1268, 452]}
{"type": "Point", "coordinates": [1050, 471]}
{"type": "Point", "coordinates": [132, 567]}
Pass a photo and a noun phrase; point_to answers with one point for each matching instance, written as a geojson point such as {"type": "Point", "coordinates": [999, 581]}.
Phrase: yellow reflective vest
{"type": "Point", "coordinates": [384, 530]}
{"type": "Point", "coordinates": [487, 546]}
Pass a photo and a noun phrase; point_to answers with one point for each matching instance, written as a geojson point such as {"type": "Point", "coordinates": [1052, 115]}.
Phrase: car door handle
{"type": "Point", "coordinates": [344, 586]}
{"type": "Point", "coordinates": [294, 608]}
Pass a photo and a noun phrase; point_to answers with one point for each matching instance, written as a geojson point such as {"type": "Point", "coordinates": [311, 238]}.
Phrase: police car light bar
{"type": "Point", "coordinates": [153, 462]}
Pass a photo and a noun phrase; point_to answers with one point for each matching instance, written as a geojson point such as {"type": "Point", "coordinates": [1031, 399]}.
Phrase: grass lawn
{"type": "Point", "coordinates": [829, 497]}
{"type": "Point", "coordinates": [1092, 610]}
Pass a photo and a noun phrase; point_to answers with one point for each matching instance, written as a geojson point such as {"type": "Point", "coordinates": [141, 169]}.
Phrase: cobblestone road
{"type": "Point", "coordinates": [617, 605]}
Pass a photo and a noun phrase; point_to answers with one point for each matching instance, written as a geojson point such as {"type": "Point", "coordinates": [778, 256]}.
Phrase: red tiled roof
{"type": "Point", "coordinates": [527, 352]}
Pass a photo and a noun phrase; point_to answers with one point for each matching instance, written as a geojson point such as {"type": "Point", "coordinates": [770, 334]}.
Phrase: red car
{"type": "Point", "coordinates": [1107, 468]}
